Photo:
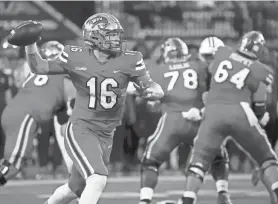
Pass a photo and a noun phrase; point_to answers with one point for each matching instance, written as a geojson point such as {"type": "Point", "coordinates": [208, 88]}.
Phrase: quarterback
{"type": "Point", "coordinates": [100, 70]}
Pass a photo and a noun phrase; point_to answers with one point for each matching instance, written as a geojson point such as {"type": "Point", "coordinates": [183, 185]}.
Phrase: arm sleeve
{"type": "Point", "coordinates": [259, 100]}
{"type": "Point", "coordinates": [139, 73]}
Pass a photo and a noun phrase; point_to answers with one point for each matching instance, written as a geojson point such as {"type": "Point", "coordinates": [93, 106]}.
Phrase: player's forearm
{"type": "Point", "coordinates": [36, 63]}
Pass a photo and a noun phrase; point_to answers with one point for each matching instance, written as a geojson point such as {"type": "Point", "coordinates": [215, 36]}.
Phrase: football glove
{"type": "Point", "coordinates": [193, 114]}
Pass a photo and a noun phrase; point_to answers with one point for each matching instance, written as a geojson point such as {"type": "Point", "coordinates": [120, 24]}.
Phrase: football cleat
{"type": "Point", "coordinates": [224, 198]}
{"type": "Point", "coordinates": [26, 33]}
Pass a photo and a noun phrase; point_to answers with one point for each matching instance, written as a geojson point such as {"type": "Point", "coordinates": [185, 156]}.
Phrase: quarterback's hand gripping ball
{"type": "Point", "coordinates": [26, 33]}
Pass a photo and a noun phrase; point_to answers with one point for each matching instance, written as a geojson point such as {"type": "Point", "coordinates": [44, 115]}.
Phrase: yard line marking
{"type": "Point", "coordinates": [206, 193]}
{"type": "Point", "coordinates": [130, 179]}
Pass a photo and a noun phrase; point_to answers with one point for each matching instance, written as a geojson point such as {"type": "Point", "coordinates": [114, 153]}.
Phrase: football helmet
{"type": "Point", "coordinates": [252, 43]}
{"type": "Point", "coordinates": [51, 50]}
{"type": "Point", "coordinates": [103, 31]}
{"type": "Point", "coordinates": [210, 45]}
{"type": "Point", "coordinates": [174, 49]}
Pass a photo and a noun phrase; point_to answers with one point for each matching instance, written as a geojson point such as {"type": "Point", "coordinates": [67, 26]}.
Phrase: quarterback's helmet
{"type": "Point", "coordinates": [210, 45]}
{"type": "Point", "coordinates": [103, 31]}
{"type": "Point", "coordinates": [252, 43]}
{"type": "Point", "coordinates": [174, 49]}
{"type": "Point", "coordinates": [51, 49]}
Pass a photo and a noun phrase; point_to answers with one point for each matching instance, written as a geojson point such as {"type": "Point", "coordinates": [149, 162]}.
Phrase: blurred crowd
{"type": "Point", "coordinates": [139, 122]}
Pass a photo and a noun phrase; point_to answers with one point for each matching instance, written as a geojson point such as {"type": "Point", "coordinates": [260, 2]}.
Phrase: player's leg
{"type": "Point", "coordinates": [60, 133]}
{"type": "Point", "coordinates": [90, 154]}
{"type": "Point", "coordinates": [251, 136]}
{"type": "Point", "coordinates": [70, 190]}
{"type": "Point", "coordinates": [158, 149]}
{"type": "Point", "coordinates": [204, 151]}
{"type": "Point", "coordinates": [19, 140]}
{"type": "Point", "coordinates": [220, 173]}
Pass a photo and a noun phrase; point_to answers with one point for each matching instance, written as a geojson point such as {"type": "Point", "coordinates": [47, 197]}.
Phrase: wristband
{"type": "Point", "coordinates": [31, 49]}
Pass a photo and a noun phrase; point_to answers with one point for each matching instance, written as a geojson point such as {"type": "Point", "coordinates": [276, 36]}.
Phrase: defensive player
{"type": "Point", "coordinates": [238, 79]}
{"type": "Point", "coordinates": [40, 97]}
{"type": "Point", "coordinates": [100, 71]}
{"type": "Point", "coordinates": [183, 81]}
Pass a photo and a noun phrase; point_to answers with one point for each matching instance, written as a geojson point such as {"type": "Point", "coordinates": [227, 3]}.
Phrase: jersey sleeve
{"type": "Point", "coordinates": [260, 95]}
{"type": "Point", "coordinates": [139, 73]}
{"type": "Point", "coordinates": [62, 63]}
{"type": "Point", "coordinates": [138, 65]}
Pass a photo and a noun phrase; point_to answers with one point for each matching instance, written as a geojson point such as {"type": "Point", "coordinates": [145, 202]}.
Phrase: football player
{"type": "Point", "coordinates": [238, 80]}
{"type": "Point", "coordinates": [207, 51]}
{"type": "Point", "coordinates": [40, 97]}
{"type": "Point", "coordinates": [183, 81]}
{"type": "Point", "coordinates": [100, 70]}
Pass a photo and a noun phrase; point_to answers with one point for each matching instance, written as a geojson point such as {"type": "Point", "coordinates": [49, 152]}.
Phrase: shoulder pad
{"type": "Point", "coordinates": [224, 50]}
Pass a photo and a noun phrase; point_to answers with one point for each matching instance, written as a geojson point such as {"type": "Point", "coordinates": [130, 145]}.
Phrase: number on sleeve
{"type": "Point", "coordinates": [221, 74]}
{"type": "Point", "coordinates": [107, 98]}
{"type": "Point", "coordinates": [190, 79]}
{"type": "Point", "coordinates": [75, 49]}
{"type": "Point", "coordinates": [39, 80]}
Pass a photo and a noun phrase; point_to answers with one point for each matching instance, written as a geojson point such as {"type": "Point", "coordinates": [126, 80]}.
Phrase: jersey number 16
{"type": "Point", "coordinates": [107, 98]}
{"type": "Point", "coordinates": [221, 74]}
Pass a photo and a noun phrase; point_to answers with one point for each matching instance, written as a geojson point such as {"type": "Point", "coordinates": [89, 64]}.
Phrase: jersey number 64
{"type": "Point", "coordinates": [221, 74]}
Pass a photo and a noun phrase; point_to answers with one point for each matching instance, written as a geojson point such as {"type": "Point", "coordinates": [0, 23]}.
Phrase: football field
{"type": "Point", "coordinates": [125, 190]}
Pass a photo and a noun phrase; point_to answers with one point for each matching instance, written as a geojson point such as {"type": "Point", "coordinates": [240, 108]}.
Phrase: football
{"type": "Point", "coordinates": [26, 33]}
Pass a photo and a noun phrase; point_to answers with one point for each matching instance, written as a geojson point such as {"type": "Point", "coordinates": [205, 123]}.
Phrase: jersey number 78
{"type": "Point", "coordinates": [190, 79]}
{"type": "Point", "coordinates": [222, 74]}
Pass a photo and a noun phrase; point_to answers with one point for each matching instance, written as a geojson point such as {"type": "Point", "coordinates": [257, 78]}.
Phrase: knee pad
{"type": "Point", "coordinates": [197, 170]}
{"type": "Point", "coordinates": [98, 181]}
{"type": "Point", "coordinates": [268, 163]}
{"type": "Point", "coordinates": [150, 164]}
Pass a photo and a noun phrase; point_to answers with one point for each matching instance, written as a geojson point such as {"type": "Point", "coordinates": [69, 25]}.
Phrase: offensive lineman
{"type": "Point", "coordinates": [238, 80]}
{"type": "Point", "coordinates": [183, 81]}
